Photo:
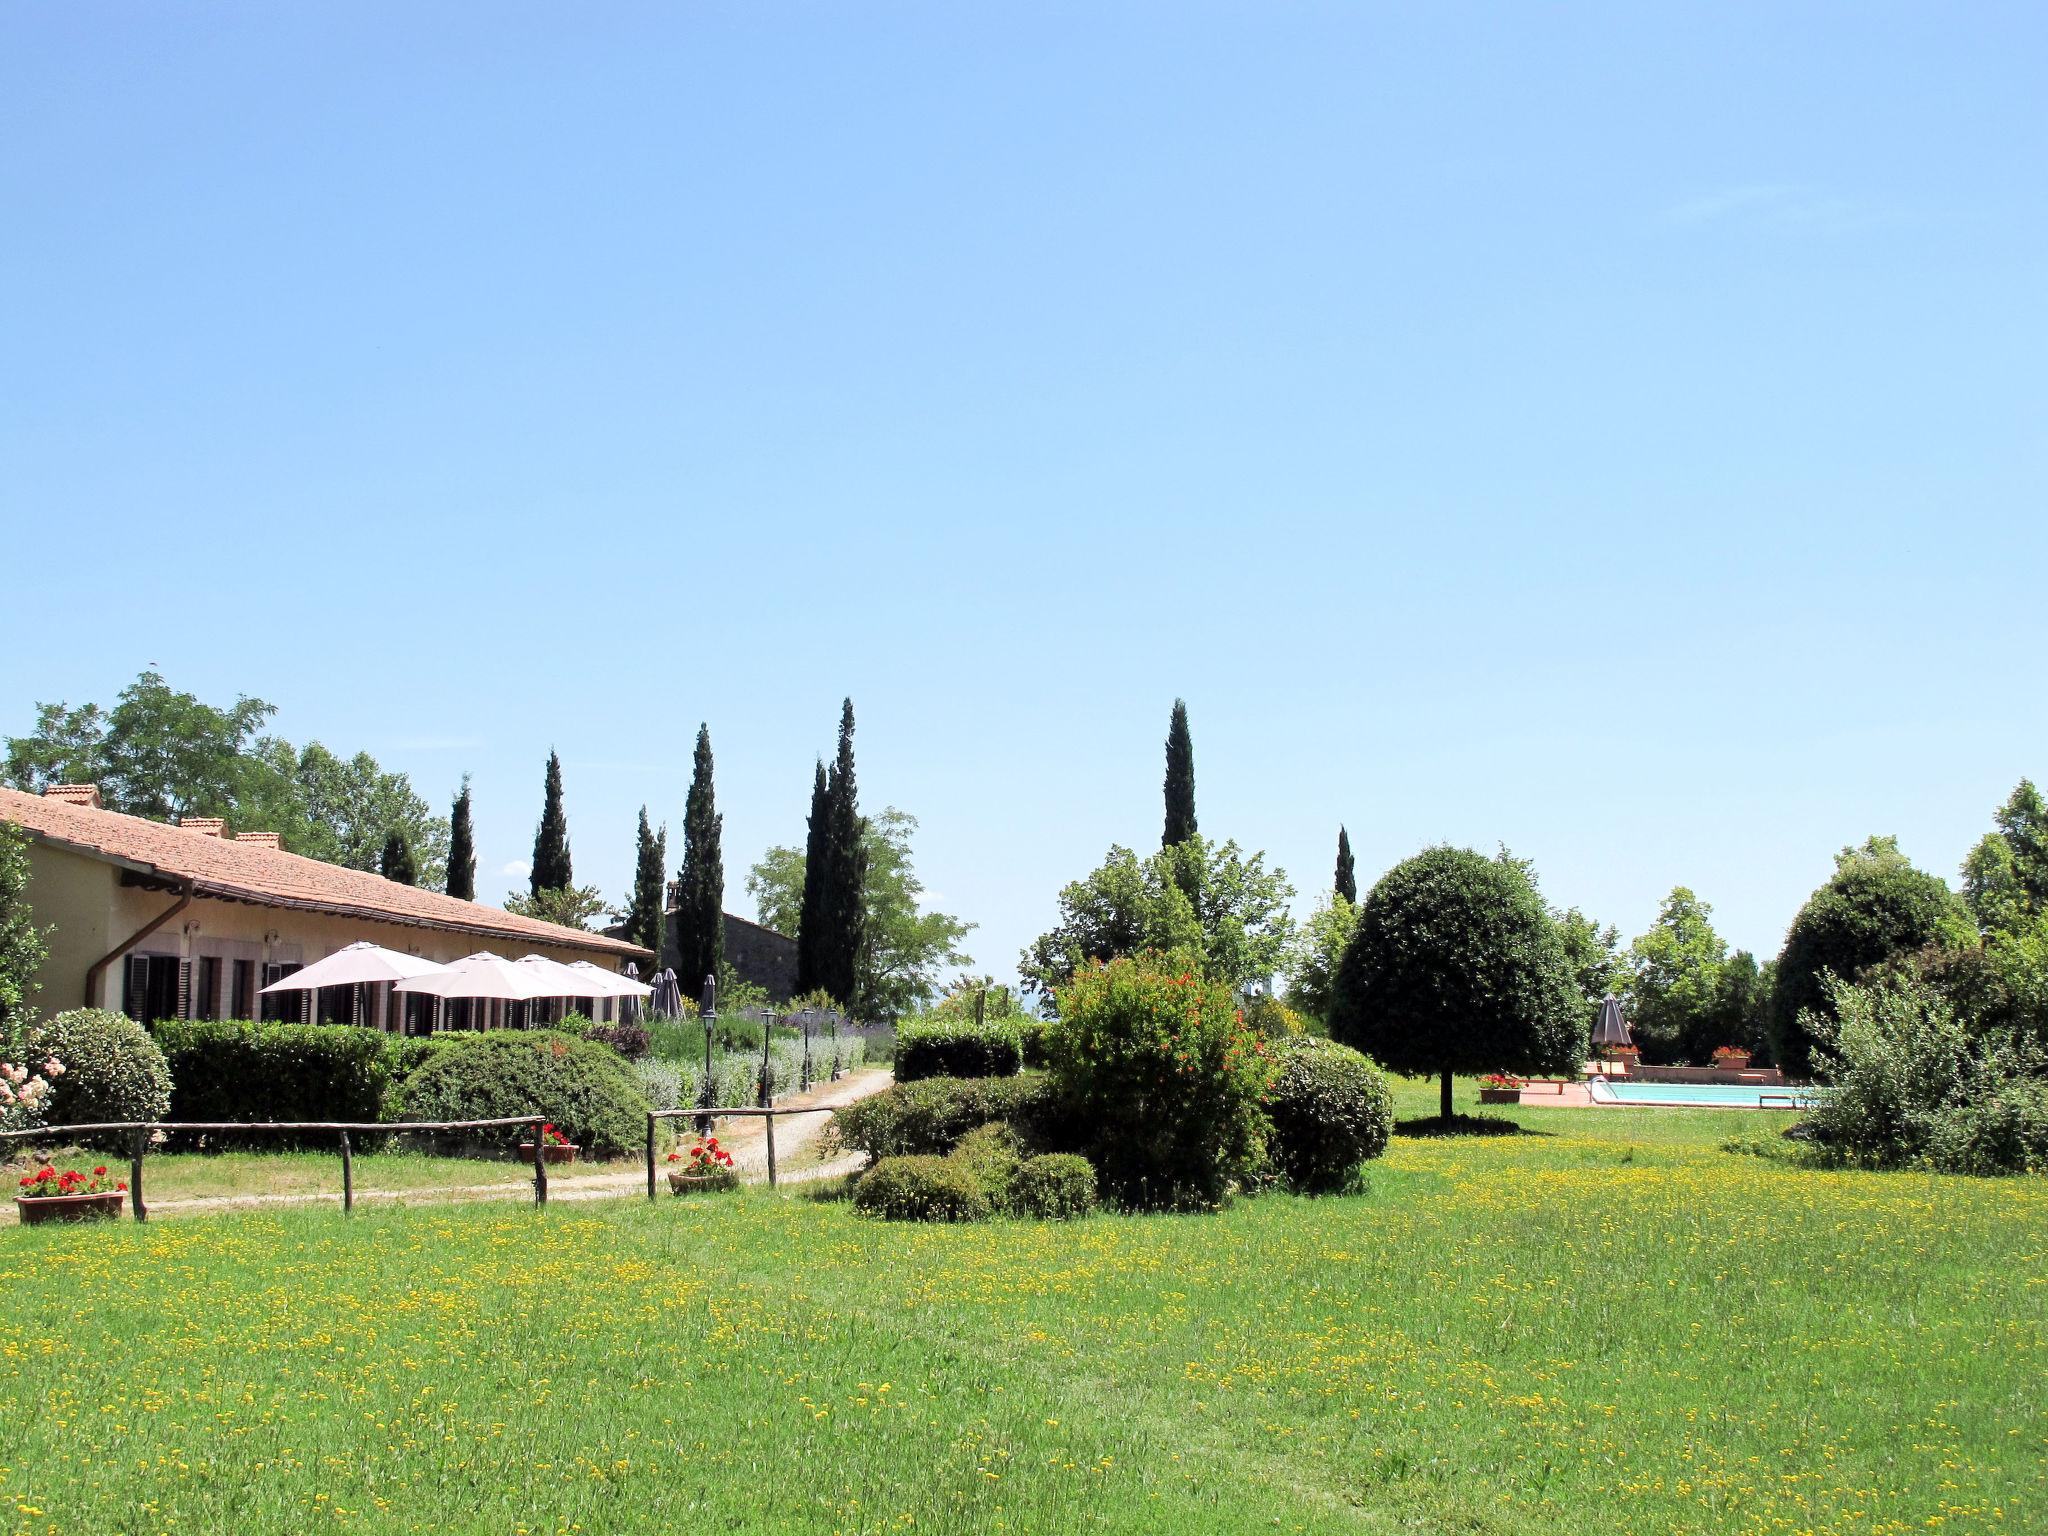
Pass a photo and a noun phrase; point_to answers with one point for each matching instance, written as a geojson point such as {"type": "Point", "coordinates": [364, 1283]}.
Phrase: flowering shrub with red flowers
{"type": "Point", "coordinates": [553, 1138]}
{"type": "Point", "coordinates": [1730, 1053]}
{"type": "Point", "coordinates": [1502, 1080]}
{"type": "Point", "coordinates": [1164, 1083]}
{"type": "Point", "coordinates": [47, 1183]}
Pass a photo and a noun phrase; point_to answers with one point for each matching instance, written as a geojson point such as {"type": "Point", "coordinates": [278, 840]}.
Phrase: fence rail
{"type": "Point", "coordinates": [140, 1132]}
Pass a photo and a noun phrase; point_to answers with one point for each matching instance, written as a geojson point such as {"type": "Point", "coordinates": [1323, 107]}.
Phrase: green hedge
{"type": "Point", "coordinates": [590, 1094]}
{"type": "Point", "coordinates": [921, 1189]}
{"type": "Point", "coordinates": [930, 1116]}
{"type": "Point", "coordinates": [244, 1071]}
{"type": "Point", "coordinates": [942, 1047]}
{"type": "Point", "coordinates": [1057, 1186]}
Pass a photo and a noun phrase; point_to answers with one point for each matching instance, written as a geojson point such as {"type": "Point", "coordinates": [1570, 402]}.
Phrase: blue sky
{"type": "Point", "coordinates": [1614, 431]}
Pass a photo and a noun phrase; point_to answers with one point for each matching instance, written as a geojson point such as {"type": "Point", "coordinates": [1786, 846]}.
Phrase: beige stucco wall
{"type": "Point", "coordinates": [90, 910]}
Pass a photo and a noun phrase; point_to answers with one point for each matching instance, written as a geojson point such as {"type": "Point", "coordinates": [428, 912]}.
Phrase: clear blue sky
{"type": "Point", "coordinates": [1615, 431]}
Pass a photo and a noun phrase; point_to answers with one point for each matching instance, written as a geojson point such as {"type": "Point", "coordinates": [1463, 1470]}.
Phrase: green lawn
{"type": "Point", "coordinates": [1610, 1325]}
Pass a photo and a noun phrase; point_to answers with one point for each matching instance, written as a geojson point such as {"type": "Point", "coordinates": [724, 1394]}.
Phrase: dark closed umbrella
{"type": "Point", "coordinates": [1612, 1028]}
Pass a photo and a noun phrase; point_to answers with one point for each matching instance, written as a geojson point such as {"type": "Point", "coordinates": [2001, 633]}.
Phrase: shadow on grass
{"type": "Point", "coordinates": [1463, 1125]}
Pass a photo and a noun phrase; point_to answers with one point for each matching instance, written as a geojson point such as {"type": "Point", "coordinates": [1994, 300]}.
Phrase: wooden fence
{"type": "Point", "coordinates": [140, 1132]}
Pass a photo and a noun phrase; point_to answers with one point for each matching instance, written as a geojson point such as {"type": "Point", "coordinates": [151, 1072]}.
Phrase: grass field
{"type": "Point", "coordinates": [1608, 1325]}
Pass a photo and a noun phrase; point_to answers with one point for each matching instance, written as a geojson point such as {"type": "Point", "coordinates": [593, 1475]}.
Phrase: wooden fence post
{"type": "Point", "coordinates": [769, 1120]}
{"type": "Point", "coordinates": [650, 1154]}
{"type": "Point", "coordinates": [540, 1164]}
{"type": "Point", "coordinates": [348, 1177]}
{"type": "Point", "coordinates": [141, 1145]}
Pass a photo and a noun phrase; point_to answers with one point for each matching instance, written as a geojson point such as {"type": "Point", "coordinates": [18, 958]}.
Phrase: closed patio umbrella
{"type": "Point", "coordinates": [1611, 1029]}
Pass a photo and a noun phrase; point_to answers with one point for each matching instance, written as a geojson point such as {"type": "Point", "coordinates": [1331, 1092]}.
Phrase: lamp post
{"type": "Point", "coordinates": [767, 1068]}
{"type": "Point", "coordinates": [833, 1015]}
{"type": "Point", "coordinates": [709, 1007]}
{"type": "Point", "coordinates": [806, 1017]}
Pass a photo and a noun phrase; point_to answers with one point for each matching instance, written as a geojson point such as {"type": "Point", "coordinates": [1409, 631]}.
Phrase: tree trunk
{"type": "Point", "coordinates": [1447, 1098]}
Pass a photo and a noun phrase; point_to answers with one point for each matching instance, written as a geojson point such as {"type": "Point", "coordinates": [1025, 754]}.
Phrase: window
{"type": "Point", "coordinates": [206, 998]}
{"type": "Point", "coordinates": [242, 1002]}
{"type": "Point", "coordinates": [152, 991]}
{"type": "Point", "coordinates": [280, 1005]}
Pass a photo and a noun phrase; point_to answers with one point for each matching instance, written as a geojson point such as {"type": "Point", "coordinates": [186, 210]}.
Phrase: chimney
{"type": "Point", "coordinates": [259, 839]}
{"type": "Point", "coordinates": [205, 826]}
{"type": "Point", "coordinates": [75, 794]}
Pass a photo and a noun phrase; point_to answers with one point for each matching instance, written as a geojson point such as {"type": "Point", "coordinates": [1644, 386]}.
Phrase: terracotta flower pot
{"type": "Point", "coordinates": [681, 1183]}
{"type": "Point", "coordinates": [551, 1153]}
{"type": "Point", "coordinates": [41, 1208]}
{"type": "Point", "coordinates": [1500, 1095]}
{"type": "Point", "coordinates": [1735, 1061]}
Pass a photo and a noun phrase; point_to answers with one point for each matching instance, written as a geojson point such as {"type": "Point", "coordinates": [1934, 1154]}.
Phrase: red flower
{"type": "Point", "coordinates": [100, 1172]}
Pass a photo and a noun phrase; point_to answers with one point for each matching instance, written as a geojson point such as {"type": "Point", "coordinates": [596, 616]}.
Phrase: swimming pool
{"type": "Point", "coordinates": [1702, 1095]}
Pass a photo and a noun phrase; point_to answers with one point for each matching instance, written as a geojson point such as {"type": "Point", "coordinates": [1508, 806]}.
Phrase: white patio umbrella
{"type": "Point", "coordinates": [359, 962]}
{"type": "Point", "coordinates": [561, 980]}
{"type": "Point", "coordinates": [599, 982]}
{"type": "Point", "coordinates": [485, 975]}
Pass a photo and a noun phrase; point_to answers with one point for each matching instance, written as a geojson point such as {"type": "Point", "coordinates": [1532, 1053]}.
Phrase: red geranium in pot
{"type": "Point", "coordinates": [555, 1147]}
{"type": "Point", "coordinates": [706, 1165]}
{"type": "Point", "coordinates": [47, 1195]}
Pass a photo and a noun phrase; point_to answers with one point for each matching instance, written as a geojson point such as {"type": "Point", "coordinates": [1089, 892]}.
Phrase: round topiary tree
{"type": "Point", "coordinates": [589, 1093]}
{"type": "Point", "coordinates": [1331, 1111]}
{"type": "Point", "coordinates": [112, 1071]}
{"type": "Point", "coordinates": [1456, 966]}
{"type": "Point", "coordinates": [1875, 905]}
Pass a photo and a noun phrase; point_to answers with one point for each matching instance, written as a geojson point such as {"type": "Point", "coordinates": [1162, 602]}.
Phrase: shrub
{"type": "Point", "coordinates": [629, 1040]}
{"type": "Point", "coordinates": [992, 1154]}
{"type": "Point", "coordinates": [1456, 966]}
{"type": "Point", "coordinates": [1165, 1078]}
{"type": "Point", "coordinates": [929, 1117]}
{"type": "Point", "coordinates": [921, 1189]}
{"type": "Point", "coordinates": [112, 1071]}
{"type": "Point", "coordinates": [585, 1089]}
{"type": "Point", "coordinates": [242, 1071]}
{"type": "Point", "coordinates": [1031, 1039]}
{"type": "Point", "coordinates": [941, 1047]}
{"type": "Point", "coordinates": [1874, 906]}
{"type": "Point", "coordinates": [1909, 1086]}
{"type": "Point", "coordinates": [1055, 1186]}
{"type": "Point", "coordinates": [1331, 1110]}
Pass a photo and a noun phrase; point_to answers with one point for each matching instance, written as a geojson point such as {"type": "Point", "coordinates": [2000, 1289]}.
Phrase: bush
{"type": "Point", "coordinates": [992, 1154]}
{"type": "Point", "coordinates": [1056, 1186]}
{"type": "Point", "coordinates": [1455, 966]}
{"type": "Point", "coordinates": [1908, 1086]}
{"type": "Point", "coordinates": [629, 1040]}
{"type": "Point", "coordinates": [1165, 1079]}
{"type": "Point", "coordinates": [1875, 905]}
{"type": "Point", "coordinates": [243, 1071]}
{"type": "Point", "coordinates": [940, 1047]}
{"type": "Point", "coordinates": [586, 1090]}
{"type": "Point", "coordinates": [929, 1117]}
{"type": "Point", "coordinates": [921, 1189]}
{"type": "Point", "coordinates": [1331, 1110]}
{"type": "Point", "coordinates": [112, 1071]}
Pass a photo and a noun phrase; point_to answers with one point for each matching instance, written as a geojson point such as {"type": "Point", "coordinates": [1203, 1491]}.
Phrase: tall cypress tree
{"type": "Point", "coordinates": [395, 863]}
{"type": "Point", "coordinates": [650, 864]}
{"type": "Point", "coordinates": [810, 919]}
{"type": "Point", "coordinates": [700, 903]}
{"type": "Point", "coordinates": [843, 899]}
{"type": "Point", "coordinates": [462, 848]}
{"type": "Point", "coordinates": [551, 869]}
{"type": "Point", "coordinates": [1180, 779]}
{"type": "Point", "coordinates": [1347, 874]}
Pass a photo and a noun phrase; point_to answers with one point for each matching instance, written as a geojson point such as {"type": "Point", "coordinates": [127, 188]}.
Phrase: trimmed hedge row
{"type": "Point", "coordinates": [929, 1117]}
{"type": "Point", "coordinates": [943, 1047]}
{"type": "Point", "coordinates": [988, 1174]}
{"type": "Point", "coordinates": [244, 1071]}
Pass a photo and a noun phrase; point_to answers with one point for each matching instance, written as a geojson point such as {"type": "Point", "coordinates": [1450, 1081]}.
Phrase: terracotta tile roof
{"type": "Point", "coordinates": [268, 876]}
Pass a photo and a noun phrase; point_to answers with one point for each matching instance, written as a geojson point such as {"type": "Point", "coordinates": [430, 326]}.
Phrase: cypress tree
{"type": "Point", "coordinates": [644, 915]}
{"type": "Point", "coordinates": [810, 921]}
{"type": "Point", "coordinates": [843, 903]}
{"type": "Point", "coordinates": [395, 863]}
{"type": "Point", "coordinates": [462, 848]}
{"type": "Point", "coordinates": [1347, 875]}
{"type": "Point", "coordinates": [700, 903]}
{"type": "Point", "coordinates": [551, 868]}
{"type": "Point", "coordinates": [1180, 779]}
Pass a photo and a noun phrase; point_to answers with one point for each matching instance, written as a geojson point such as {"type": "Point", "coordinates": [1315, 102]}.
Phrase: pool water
{"type": "Point", "coordinates": [1702, 1095]}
